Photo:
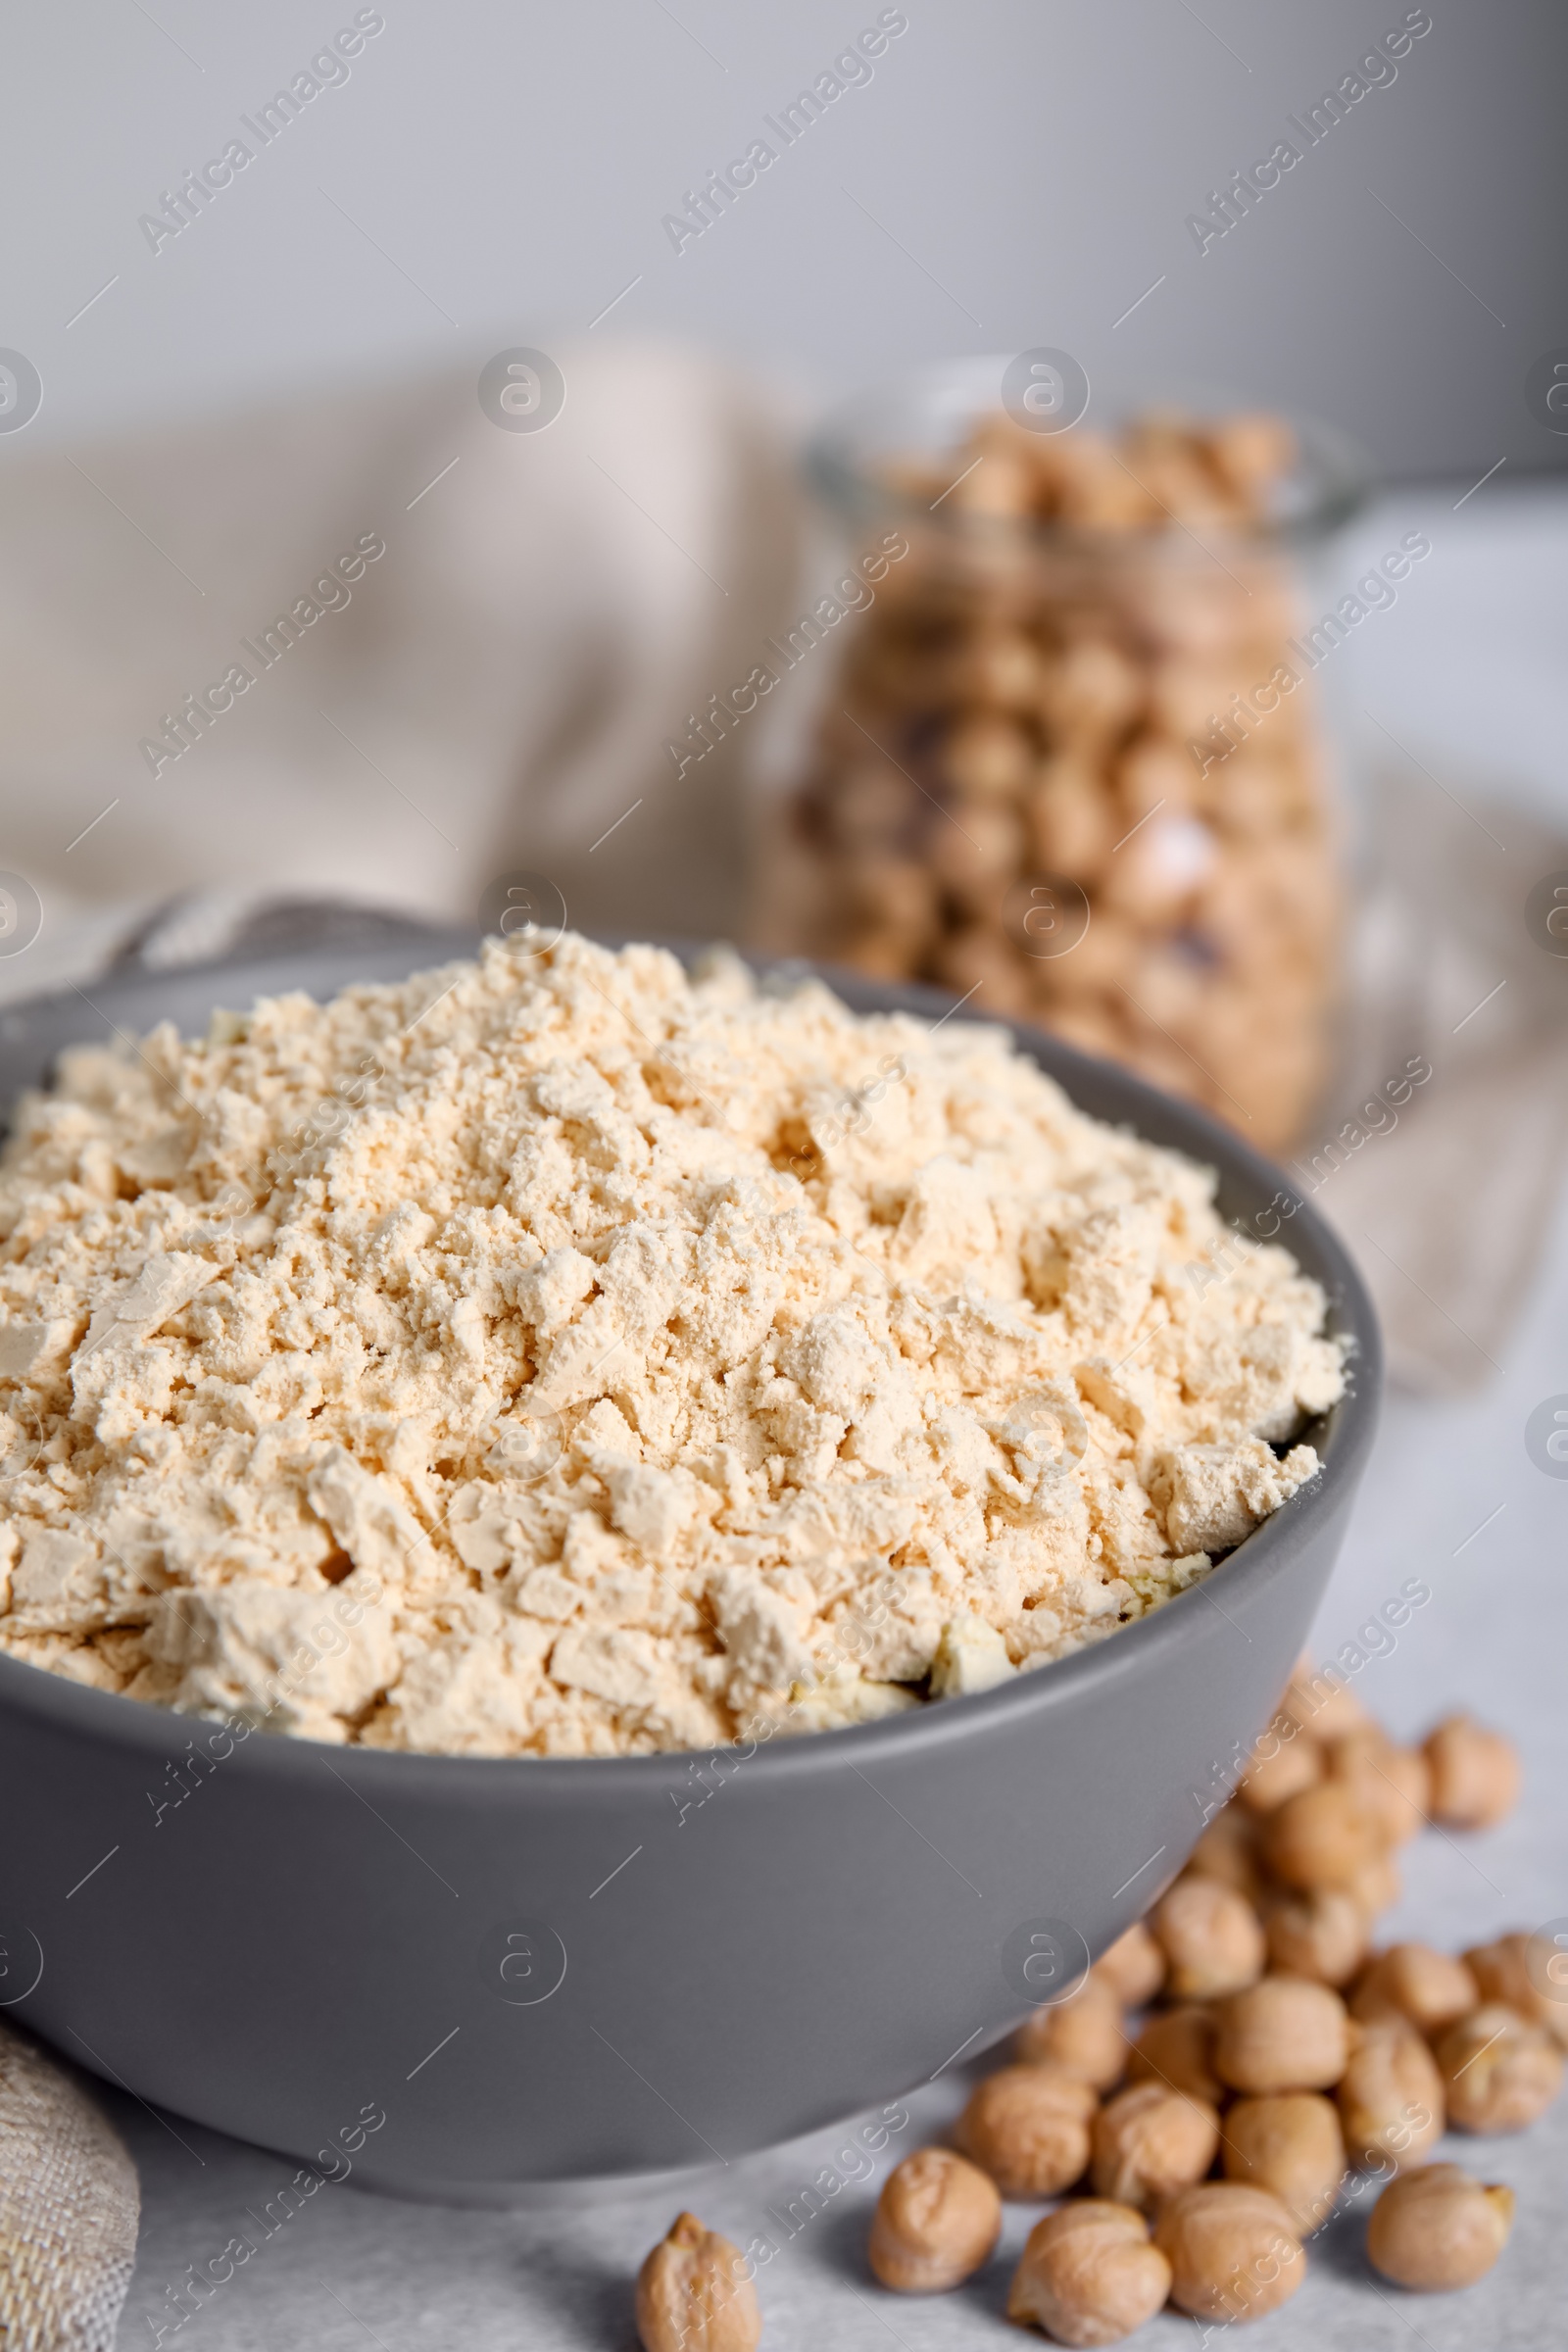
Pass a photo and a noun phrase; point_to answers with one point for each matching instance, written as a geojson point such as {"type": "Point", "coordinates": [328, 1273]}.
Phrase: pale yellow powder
{"type": "Point", "coordinates": [558, 1356]}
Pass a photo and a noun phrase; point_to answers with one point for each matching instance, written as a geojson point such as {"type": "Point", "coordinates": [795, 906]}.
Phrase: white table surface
{"type": "Point", "coordinates": [1467, 669]}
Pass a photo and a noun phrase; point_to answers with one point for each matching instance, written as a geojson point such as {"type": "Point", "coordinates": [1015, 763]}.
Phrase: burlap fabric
{"type": "Point", "coordinates": [69, 2206]}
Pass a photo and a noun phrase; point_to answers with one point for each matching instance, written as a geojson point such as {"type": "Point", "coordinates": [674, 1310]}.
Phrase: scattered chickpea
{"type": "Point", "coordinates": [1320, 1703]}
{"type": "Point", "coordinates": [1134, 1966]}
{"type": "Point", "coordinates": [695, 2293]}
{"type": "Point", "coordinates": [1437, 2229]}
{"type": "Point", "coordinates": [1278, 1769]}
{"type": "Point", "coordinates": [1501, 2072]}
{"type": "Point", "coordinates": [1284, 2033]}
{"type": "Point", "coordinates": [1089, 2274]}
{"type": "Point", "coordinates": [1411, 1980]}
{"type": "Point", "coordinates": [1211, 1938]}
{"type": "Point", "coordinates": [1082, 2035]}
{"type": "Point", "coordinates": [1307, 1844]}
{"type": "Point", "coordinates": [1394, 1784]}
{"type": "Point", "coordinates": [1028, 2128]}
{"type": "Point", "coordinates": [1475, 1774]}
{"type": "Point", "coordinates": [1321, 1837]}
{"type": "Point", "coordinates": [1515, 1971]}
{"type": "Point", "coordinates": [936, 2220]}
{"type": "Point", "coordinates": [1321, 1935]}
{"type": "Point", "coordinates": [1149, 2141]}
{"type": "Point", "coordinates": [1377, 1885]}
{"type": "Point", "coordinates": [1227, 1852]}
{"type": "Point", "coordinates": [1289, 2143]}
{"type": "Point", "coordinates": [1176, 2047]}
{"type": "Point", "coordinates": [1232, 2251]}
{"type": "Point", "coordinates": [1390, 2097]}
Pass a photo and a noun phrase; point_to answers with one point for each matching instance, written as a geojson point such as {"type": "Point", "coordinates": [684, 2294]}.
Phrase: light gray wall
{"type": "Point", "coordinates": [1016, 172]}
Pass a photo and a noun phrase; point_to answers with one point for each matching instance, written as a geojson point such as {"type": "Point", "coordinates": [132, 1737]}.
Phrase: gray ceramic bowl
{"type": "Point", "coordinates": [565, 1970]}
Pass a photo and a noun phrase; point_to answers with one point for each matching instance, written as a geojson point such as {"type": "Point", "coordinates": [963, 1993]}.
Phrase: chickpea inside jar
{"type": "Point", "coordinates": [1069, 763]}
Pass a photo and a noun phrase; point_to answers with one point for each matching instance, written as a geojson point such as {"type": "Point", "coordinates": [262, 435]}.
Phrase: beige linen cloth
{"type": "Point", "coordinates": [493, 693]}
{"type": "Point", "coordinates": [498, 692]}
{"type": "Point", "coordinates": [69, 2206]}
{"type": "Point", "coordinates": [1445, 1200]}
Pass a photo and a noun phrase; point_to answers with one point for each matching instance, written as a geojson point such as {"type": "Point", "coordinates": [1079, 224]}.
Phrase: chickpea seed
{"type": "Point", "coordinates": [1251, 449]}
{"type": "Point", "coordinates": [1500, 2070]}
{"type": "Point", "coordinates": [1232, 2251]}
{"type": "Point", "coordinates": [1278, 1769]}
{"type": "Point", "coordinates": [1290, 2144]}
{"type": "Point", "coordinates": [1284, 2033]}
{"type": "Point", "coordinates": [1134, 1966]}
{"type": "Point", "coordinates": [1377, 1885]}
{"type": "Point", "coordinates": [1322, 1837]}
{"type": "Point", "coordinates": [1089, 2274]}
{"type": "Point", "coordinates": [1511, 1971]}
{"type": "Point", "coordinates": [1228, 1851]}
{"type": "Point", "coordinates": [1176, 2047]}
{"type": "Point", "coordinates": [1149, 2141]}
{"type": "Point", "coordinates": [1475, 1774]}
{"type": "Point", "coordinates": [1321, 1703]}
{"type": "Point", "coordinates": [1390, 2097]}
{"type": "Point", "coordinates": [936, 2220]}
{"type": "Point", "coordinates": [1211, 1938]}
{"type": "Point", "coordinates": [1394, 1784]}
{"type": "Point", "coordinates": [1082, 2035]}
{"type": "Point", "coordinates": [1411, 1979]}
{"type": "Point", "coordinates": [1028, 2128]}
{"type": "Point", "coordinates": [1321, 1935]}
{"type": "Point", "coordinates": [695, 2293]}
{"type": "Point", "coordinates": [1437, 2229]}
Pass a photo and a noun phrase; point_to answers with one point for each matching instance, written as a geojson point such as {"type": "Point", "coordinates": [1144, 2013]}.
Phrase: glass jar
{"type": "Point", "coordinates": [1070, 764]}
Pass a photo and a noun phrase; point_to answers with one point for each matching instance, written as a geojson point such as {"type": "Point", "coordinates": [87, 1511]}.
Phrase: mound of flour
{"type": "Point", "coordinates": [558, 1356]}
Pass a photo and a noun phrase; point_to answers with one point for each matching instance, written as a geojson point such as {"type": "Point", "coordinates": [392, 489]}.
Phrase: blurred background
{"type": "Point", "coordinates": [1036, 163]}
{"type": "Point", "coordinates": [404, 477]}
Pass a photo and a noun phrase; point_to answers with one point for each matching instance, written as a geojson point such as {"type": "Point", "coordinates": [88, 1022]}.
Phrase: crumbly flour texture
{"type": "Point", "coordinates": [560, 1355]}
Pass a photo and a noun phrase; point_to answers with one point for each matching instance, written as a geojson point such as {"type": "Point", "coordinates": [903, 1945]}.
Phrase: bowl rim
{"type": "Point", "coordinates": [1345, 1436]}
